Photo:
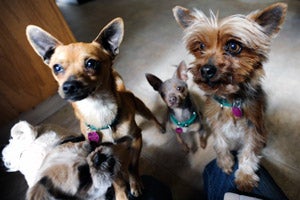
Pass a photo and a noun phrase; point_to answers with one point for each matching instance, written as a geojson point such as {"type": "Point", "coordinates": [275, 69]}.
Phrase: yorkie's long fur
{"type": "Point", "coordinates": [229, 55]}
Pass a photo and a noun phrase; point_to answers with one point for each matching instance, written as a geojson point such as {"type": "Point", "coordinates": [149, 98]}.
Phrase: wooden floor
{"type": "Point", "coordinates": [153, 44]}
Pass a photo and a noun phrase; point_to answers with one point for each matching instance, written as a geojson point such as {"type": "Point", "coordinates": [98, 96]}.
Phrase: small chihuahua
{"type": "Point", "coordinates": [84, 72]}
{"type": "Point", "coordinates": [183, 115]}
{"type": "Point", "coordinates": [229, 56]}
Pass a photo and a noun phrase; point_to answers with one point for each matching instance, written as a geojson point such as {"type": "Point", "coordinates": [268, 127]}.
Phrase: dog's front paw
{"type": "Point", "coordinates": [121, 196]}
{"type": "Point", "coordinates": [136, 188]}
{"type": "Point", "coordinates": [226, 163]}
{"type": "Point", "coordinates": [185, 148]}
{"type": "Point", "coordinates": [246, 182]}
{"type": "Point", "coordinates": [203, 142]}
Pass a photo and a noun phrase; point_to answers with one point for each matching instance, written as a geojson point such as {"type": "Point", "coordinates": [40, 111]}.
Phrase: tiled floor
{"type": "Point", "coordinates": [152, 43]}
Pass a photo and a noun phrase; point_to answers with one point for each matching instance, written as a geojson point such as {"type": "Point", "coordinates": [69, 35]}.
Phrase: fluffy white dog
{"type": "Point", "coordinates": [29, 145]}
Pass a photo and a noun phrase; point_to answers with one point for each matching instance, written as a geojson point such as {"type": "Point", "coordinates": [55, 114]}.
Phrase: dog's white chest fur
{"type": "Point", "coordinates": [98, 111]}
{"type": "Point", "coordinates": [228, 133]}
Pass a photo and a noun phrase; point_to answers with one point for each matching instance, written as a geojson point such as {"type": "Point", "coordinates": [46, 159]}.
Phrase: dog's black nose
{"type": "Point", "coordinates": [99, 158]}
{"type": "Point", "coordinates": [208, 71]}
{"type": "Point", "coordinates": [103, 161]}
{"type": "Point", "coordinates": [172, 99]}
{"type": "Point", "coordinates": [71, 87]}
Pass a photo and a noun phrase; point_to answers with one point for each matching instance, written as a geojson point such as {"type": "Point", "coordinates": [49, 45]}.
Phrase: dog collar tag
{"type": "Point", "coordinates": [237, 108]}
{"type": "Point", "coordinates": [93, 137]}
{"type": "Point", "coordinates": [178, 130]}
{"type": "Point", "coordinates": [237, 112]}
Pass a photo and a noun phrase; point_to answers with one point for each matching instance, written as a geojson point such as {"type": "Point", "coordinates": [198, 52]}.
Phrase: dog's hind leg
{"type": "Point", "coordinates": [142, 110]}
{"type": "Point", "coordinates": [203, 137]}
{"type": "Point", "coordinates": [120, 188]}
{"type": "Point", "coordinates": [135, 182]}
{"type": "Point", "coordinates": [182, 142]}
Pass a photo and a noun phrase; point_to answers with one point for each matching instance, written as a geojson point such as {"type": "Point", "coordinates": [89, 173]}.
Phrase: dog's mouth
{"type": "Point", "coordinates": [173, 101]}
{"type": "Point", "coordinates": [216, 82]}
{"type": "Point", "coordinates": [76, 97]}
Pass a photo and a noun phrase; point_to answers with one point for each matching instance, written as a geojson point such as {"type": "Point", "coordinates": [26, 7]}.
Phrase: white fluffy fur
{"type": "Point", "coordinates": [27, 148]}
{"type": "Point", "coordinates": [98, 111]}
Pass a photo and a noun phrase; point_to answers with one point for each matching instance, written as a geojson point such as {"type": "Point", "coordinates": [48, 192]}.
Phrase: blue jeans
{"type": "Point", "coordinates": [217, 183]}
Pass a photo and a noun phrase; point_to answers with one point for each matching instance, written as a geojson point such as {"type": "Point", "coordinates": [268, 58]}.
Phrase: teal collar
{"type": "Point", "coordinates": [186, 123]}
{"type": "Point", "coordinates": [222, 101]}
{"type": "Point", "coordinates": [109, 126]}
{"type": "Point", "coordinates": [94, 128]}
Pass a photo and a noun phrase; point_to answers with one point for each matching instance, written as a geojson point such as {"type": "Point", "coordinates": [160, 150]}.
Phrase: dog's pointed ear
{"type": "Point", "coordinates": [181, 72]}
{"type": "Point", "coordinates": [42, 42]}
{"type": "Point", "coordinates": [270, 18]}
{"type": "Point", "coordinates": [23, 131]}
{"type": "Point", "coordinates": [111, 36]}
{"type": "Point", "coordinates": [183, 16]}
{"type": "Point", "coordinates": [154, 81]}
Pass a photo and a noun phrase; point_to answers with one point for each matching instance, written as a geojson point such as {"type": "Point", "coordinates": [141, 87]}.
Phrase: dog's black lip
{"type": "Point", "coordinates": [76, 97]}
{"type": "Point", "coordinates": [211, 83]}
{"type": "Point", "coordinates": [82, 94]}
{"type": "Point", "coordinates": [174, 105]}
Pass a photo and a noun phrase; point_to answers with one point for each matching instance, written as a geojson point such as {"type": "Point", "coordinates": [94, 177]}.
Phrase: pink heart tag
{"type": "Point", "coordinates": [178, 130]}
{"type": "Point", "coordinates": [93, 137]}
{"type": "Point", "coordinates": [237, 111]}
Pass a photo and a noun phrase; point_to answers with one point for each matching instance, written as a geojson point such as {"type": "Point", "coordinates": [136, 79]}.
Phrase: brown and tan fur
{"type": "Point", "coordinates": [82, 170]}
{"type": "Point", "coordinates": [229, 55]}
{"type": "Point", "coordinates": [96, 91]}
{"type": "Point", "coordinates": [175, 93]}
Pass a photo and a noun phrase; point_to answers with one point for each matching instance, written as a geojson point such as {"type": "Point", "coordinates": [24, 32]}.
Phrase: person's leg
{"type": "Point", "coordinates": [217, 183]}
{"type": "Point", "coordinates": [267, 188]}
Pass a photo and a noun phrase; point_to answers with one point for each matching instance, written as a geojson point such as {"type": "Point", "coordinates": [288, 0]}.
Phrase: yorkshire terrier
{"type": "Point", "coordinates": [229, 55]}
{"type": "Point", "coordinates": [183, 115]}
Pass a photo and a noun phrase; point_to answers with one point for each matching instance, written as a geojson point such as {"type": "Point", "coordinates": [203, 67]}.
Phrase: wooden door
{"type": "Point", "coordinates": [24, 80]}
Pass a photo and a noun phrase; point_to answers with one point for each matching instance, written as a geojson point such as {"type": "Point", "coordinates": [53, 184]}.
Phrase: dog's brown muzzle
{"type": "Point", "coordinates": [74, 90]}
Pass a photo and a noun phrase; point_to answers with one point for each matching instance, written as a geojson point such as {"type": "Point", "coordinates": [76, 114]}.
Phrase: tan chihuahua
{"type": "Point", "coordinates": [84, 72]}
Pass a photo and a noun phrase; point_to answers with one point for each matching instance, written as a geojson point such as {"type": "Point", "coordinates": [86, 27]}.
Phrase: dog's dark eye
{"type": "Point", "coordinates": [179, 88]}
{"type": "Point", "coordinates": [233, 47]}
{"type": "Point", "coordinates": [201, 46]}
{"type": "Point", "coordinates": [92, 64]}
{"type": "Point", "coordinates": [57, 68]}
